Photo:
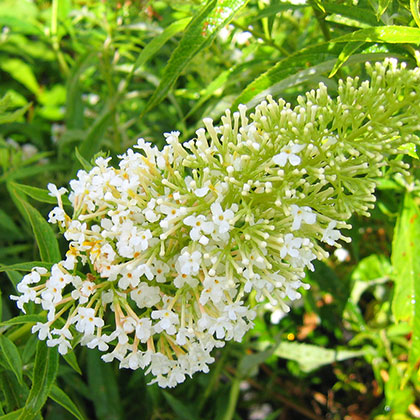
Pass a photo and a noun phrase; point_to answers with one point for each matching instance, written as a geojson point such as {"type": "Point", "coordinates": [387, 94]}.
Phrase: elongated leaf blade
{"type": "Point", "coordinates": [348, 50]}
{"type": "Point", "coordinates": [311, 357]}
{"type": "Point", "coordinates": [24, 319]}
{"type": "Point", "coordinates": [391, 34]}
{"type": "Point", "coordinates": [25, 266]}
{"type": "Point", "coordinates": [38, 194]}
{"type": "Point", "coordinates": [11, 357]}
{"type": "Point", "coordinates": [406, 264]}
{"type": "Point", "coordinates": [103, 388]}
{"type": "Point", "coordinates": [414, 7]}
{"type": "Point", "coordinates": [198, 35]}
{"type": "Point", "coordinates": [45, 372]}
{"type": "Point", "coordinates": [44, 235]}
{"type": "Point", "coordinates": [60, 397]}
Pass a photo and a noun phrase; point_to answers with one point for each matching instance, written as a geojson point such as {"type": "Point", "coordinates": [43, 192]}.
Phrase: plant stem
{"type": "Point", "coordinates": [54, 38]}
{"type": "Point", "coordinates": [233, 398]}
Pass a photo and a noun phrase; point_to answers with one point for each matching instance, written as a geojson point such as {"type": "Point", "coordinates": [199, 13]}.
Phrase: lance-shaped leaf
{"type": "Point", "coordinates": [198, 35]}
{"type": "Point", "coordinates": [406, 264]}
{"type": "Point", "coordinates": [45, 372]}
{"type": "Point", "coordinates": [44, 235]}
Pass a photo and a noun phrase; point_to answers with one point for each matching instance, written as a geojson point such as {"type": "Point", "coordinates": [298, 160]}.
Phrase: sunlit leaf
{"type": "Point", "coordinates": [198, 35]}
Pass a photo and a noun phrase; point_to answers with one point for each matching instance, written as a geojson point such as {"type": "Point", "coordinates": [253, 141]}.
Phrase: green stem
{"type": "Point", "coordinates": [54, 38]}
{"type": "Point", "coordinates": [233, 398]}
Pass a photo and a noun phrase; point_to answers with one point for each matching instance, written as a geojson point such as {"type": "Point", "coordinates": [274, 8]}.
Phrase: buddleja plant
{"type": "Point", "coordinates": [165, 248]}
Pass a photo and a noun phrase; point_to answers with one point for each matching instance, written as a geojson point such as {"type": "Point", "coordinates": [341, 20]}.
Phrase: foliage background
{"type": "Point", "coordinates": [80, 77]}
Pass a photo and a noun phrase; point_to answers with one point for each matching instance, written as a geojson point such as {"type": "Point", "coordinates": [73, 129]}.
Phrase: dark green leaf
{"type": "Point", "coordinates": [14, 393]}
{"type": "Point", "coordinates": [44, 235]}
{"type": "Point", "coordinates": [71, 359]}
{"type": "Point", "coordinates": [10, 357]}
{"type": "Point", "coordinates": [181, 410]}
{"type": "Point", "coordinates": [103, 388]}
{"type": "Point", "coordinates": [45, 371]}
{"type": "Point", "coordinates": [64, 400]}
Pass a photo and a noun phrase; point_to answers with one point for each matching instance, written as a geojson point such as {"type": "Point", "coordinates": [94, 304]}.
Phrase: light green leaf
{"type": "Point", "coordinates": [311, 357]}
{"type": "Point", "coordinates": [203, 28]}
{"type": "Point", "coordinates": [44, 235]}
{"type": "Point", "coordinates": [347, 51]}
{"type": "Point", "coordinates": [14, 415]}
{"type": "Point", "coordinates": [391, 34]}
{"type": "Point", "coordinates": [414, 7]}
{"type": "Point", "coordinates": [382, 6]}
{"type": "Point", "coordinates": [369, 272]}
{"type": "Point", "coordinates": [60, 397]}
{"type": "Point", "coordinates": [45, 372]}
{"type": "Point", "coordinates": [10, 357]}
{"type": "Point", "coordinates": [294, 70]}
{"type": "Point", "coordinates": [406, 263]}
{"type": "Point", "coordinates": [159, 41]}
{"type": "Point", "coordinates": [21, 72]}
{"type": "Point", "coordinates": [14, 116]}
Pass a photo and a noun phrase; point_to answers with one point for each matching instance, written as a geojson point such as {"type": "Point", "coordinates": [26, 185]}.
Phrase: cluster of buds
{"type": "Point", "coordinates": [164, 250]}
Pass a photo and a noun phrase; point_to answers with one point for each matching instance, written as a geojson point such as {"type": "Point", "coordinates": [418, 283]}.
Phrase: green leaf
{"type": "Point", "coordinates": [350, 15]}
{"type": "Point", "coordinates": [24, 319]}
{"type": "Point", "coordinates": [45, 372]}
{"type": "Point", "coordinates": [391, 34]}
{"type": "Point", "coordinates": [14, 116]}
{"type": "Point", "coordinates": [14, 393]}
{"type": "Point", "coordinates": [44, 235]}
{"type": "Point", "coordinates": [21, 72]}
{"type": "Point", "coordinates": [39, 194]}
{"type": "Point", "coordinates": [14, 415]}
{"type": "Point", "coordinates": [103, 388]}
{"type": "Point", "coordinates": [71, 359]}
{"type": "Point", "coordinates": [248, 365]}
{"type": "Point", "coordinates": [159, 41]}
{"type": "Point", "coordinates": [294, 70]}
{"type": "Point", "coordinates": [381, 8]}
{"type": "Point", "coordinates": [86, 165]}
{"type": "Point", "coordinates": [370, 271]}
{"type": "Point", "coordinates": [95, 134]}
{"type": "Point", "coordinates": [9, 227]}
{"type": "Point", "coordinates": [10, 357]}
{"type": "Point", "coordinates": [26, 266]}
{"type": "Point", "coordinates": [414, 7]}
{"type": "Point", "coordinates": [203, 28]}
{"type": "Point", "coordinates": [347, 51]}
{"type": "Point", "coordinates": [406, 264]}
{"type": "Point", "coordinates": [74, 103]}
{"type": "Point", "coordinates": [312, 357]}
{"type": "Point", "coordinates": [60, 397]}
{"type": "Point", "coordinates": [181, 410]}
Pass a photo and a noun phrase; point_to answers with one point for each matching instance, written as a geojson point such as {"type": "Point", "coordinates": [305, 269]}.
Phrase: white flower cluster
{"type": "Point", "coordinates": [164, 249]}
